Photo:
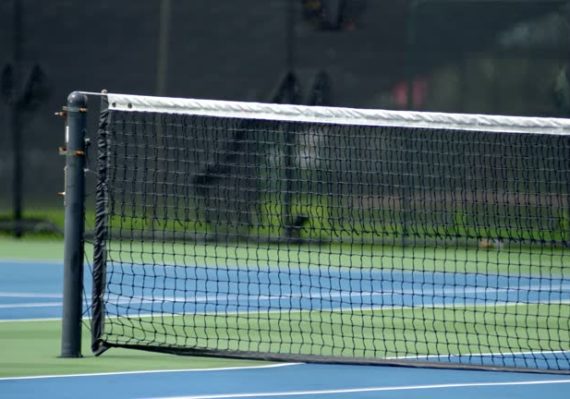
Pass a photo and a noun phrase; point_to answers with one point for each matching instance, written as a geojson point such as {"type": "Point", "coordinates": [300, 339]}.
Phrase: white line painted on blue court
{"type": "Point", "coordinates": [29, 295]}
{"type": "Point", "coordinates": [119, 373]}
{"type": "Point", "coordinates": [30, 320]}
{"type": "Point", "coordinates": [450, 356]}
{"type": "Point", "coordinates": [32, 305]}
{"type": "Point", "coordinates": [326, 294]}
{"type": "Point", "coordinates": [286, 380]}
{"type": "Point", "coordinates": [437, 290]}
{"type": "Point", "coordinates": [364, 390]}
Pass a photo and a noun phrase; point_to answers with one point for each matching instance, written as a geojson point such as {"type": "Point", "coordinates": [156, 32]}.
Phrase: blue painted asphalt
{"type": "Point", "coordinates": [296, 381]}
{"type": "Point", "coordinates": [180, 289]}
{"type": "Point", "coordinates": [31, 290]}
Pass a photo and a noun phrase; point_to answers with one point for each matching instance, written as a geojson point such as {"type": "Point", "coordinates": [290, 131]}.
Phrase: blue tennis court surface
{"type": "Point", "coordinates": [196, 289]}
{"type": "Point", "coordinates": [30, 290]}
{"type": "Point", "coordinates": [295, 381]}
{"type": "Point", "coordinates": [33, 289]}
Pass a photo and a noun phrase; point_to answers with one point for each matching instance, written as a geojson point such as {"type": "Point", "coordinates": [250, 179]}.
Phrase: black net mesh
{"type": "Point", "coordinates": [315, 241]}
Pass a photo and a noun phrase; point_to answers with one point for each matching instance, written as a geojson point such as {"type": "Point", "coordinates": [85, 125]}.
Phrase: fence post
{"type": "Point", "coordinates": [74, 225]}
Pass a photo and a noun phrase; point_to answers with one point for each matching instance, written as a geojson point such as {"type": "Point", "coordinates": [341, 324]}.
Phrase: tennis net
{"type": "Point", "coordinates": [328, 234]}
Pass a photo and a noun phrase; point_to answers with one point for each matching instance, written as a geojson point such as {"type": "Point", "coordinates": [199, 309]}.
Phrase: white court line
{"type": "Point", "coordinates": [505, 354]}
{"type": "Point", "coordinates": [443, 292]}
{"type": "Point", "coordinates": [131, 303]}
{"type": "Point", "coordinates": [358, 308]}
{"type": "Point", "coordinates": [32, 305]}
{"type": "Point", "coordinates": [29, 295]}
{"type": "Point", "coordinates": [114, 299]}
{"type": "Point", "coordinates": [30, 320]}
{"type": "Point", "coordinates": [209, 370]}
{"type": "Point", "coordinates": [369, 389]}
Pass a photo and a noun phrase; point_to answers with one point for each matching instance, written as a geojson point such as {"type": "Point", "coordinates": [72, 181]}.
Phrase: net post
{"type": "Point", "coordinates": [74, 225]}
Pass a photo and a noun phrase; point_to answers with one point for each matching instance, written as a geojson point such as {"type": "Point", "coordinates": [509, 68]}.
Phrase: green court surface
{"type": "Point", "coordinates": [362, 334]}
{"type": "Point", "coordinates": [32, 348]}
{"type": "Point", "coordinates": [26, 249]}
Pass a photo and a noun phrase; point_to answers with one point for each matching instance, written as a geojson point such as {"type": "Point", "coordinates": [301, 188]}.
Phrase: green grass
{"type": "Point", "coordinates": [32, 348]}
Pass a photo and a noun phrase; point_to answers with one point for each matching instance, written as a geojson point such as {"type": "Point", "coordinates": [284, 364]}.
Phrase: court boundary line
{"type": "Point", "coordinates": [115, 299]}
{"type": "Point", "coordinates": [339, 309]}
{"type": "Point", "coordinates": [35, 262]}
{"type": "Point", "coordinates": [23, 294]}
{"type": "Point", "coordinates": [366, 389]}
{"type": "Point", "coordinates": [340, 293]}
{"type": "Point", "coordinates": [30, 320]}
{"type": "Point", "coordinates": [271, 267]}
{"type": "Point", "coordinates": [489, 354]}
{"type": "Point", "coordinates": [31, 305]}
{"type": "Point", "coordinates": [214, 369]}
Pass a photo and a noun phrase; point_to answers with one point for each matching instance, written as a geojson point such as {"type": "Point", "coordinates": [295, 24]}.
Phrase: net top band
{"type": "Point", "coordinates": [339, 116]}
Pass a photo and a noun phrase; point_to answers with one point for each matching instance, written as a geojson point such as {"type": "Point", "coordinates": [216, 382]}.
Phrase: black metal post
{"type": "Point", "coordinates": [74, 225]}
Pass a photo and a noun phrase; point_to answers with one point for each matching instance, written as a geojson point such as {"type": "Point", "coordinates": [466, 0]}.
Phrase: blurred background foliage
{"type": "Point", "coordinates": [476, 56]}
